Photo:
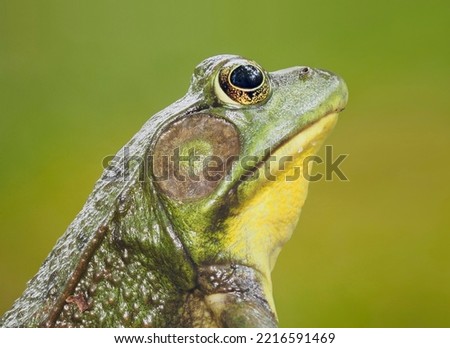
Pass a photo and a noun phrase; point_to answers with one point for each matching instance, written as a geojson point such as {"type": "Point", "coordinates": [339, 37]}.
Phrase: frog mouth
{"type": "Point", "coordinates": [309, 139]}
{"type": "Point", "coordinates": [302, 143]}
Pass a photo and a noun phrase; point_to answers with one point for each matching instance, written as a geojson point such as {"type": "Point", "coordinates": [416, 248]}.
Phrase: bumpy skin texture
{"type": "Point", "coordinates": [136, 256]}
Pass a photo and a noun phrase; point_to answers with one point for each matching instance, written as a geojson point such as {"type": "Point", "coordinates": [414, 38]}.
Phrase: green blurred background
{"type": "Point", "coordinates": [79, 78]}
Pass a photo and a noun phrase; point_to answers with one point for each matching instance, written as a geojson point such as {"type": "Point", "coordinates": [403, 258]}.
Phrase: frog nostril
{"type": "Point", "coordinates": [304, 71]}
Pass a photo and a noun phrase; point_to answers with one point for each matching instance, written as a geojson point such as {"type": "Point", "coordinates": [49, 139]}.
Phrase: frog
{"type": "Point", "coordinates": [185, 224]}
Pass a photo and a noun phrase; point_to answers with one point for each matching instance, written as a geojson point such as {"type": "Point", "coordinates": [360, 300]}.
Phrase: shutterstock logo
{"type": "Point", "coordinates": [194, 166]}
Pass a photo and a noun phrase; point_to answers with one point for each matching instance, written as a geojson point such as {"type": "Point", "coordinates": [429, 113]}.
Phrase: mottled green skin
{"type": "Point", "coordinates": [137, 258]}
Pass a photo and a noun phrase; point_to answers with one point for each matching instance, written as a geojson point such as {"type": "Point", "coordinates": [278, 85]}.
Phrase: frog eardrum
{"type": "Point", "coordinates": [242, 83]}
{"type": "Point", "coordinates": [193, 155]}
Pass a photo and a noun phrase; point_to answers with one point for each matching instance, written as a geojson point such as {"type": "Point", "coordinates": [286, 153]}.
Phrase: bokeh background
{"type": "Point", "coordinates": [79, 78]}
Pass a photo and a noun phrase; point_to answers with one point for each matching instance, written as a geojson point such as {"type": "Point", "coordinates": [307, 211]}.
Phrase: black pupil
{"type": "Point", "coordinates": [246, 76]}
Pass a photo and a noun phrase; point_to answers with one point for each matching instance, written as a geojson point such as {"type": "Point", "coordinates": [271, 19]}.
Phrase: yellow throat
{"type": "Point", "coordinates": [258, 229]}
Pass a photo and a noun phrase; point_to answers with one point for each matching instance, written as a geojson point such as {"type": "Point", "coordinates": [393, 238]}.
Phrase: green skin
{"type": "Point", "coordinates": [135, 257]}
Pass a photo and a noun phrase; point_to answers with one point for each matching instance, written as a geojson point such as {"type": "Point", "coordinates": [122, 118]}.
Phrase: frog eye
{"type": "Point", "coordinates": [242, 84]}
